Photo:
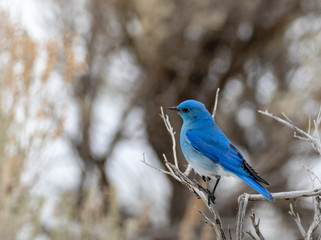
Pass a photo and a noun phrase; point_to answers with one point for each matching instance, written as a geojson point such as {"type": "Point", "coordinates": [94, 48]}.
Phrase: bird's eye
{"type": "Point", "coordinates": [185, 109]}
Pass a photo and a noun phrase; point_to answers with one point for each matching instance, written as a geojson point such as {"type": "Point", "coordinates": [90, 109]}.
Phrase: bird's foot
{"type": "Point", "coordinates": [210, 198]}
{"type": "Point", "coordinates": [205, 179]}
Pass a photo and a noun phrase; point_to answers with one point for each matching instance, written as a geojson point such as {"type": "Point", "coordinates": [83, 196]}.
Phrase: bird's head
{"type": "Point", "coordinates": [190, 110]}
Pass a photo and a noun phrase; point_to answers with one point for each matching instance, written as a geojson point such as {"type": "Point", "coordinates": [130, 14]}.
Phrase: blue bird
{"type": "Point", "coordinates": [209, 151]}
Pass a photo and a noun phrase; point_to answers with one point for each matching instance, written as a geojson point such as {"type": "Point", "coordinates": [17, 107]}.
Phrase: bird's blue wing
{"type": "Point", "coordinates": [218, 149]}
{"type": "Point", "coordinates": [222, 151]}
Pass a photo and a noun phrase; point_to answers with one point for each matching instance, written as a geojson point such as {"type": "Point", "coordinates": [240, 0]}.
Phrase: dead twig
{"type": "Point", "coordinates": [287, 195]}
{"type": "Point", "coordinates": [299, 133]}
{"type": "Point", "coordinates": [256, 226]}
{"type": "Point", "coordinates": [315, 141]}
{"type": "Point", "coordinates": [251, 235]}
{"type": "Point", "coordinates": [171, 131]}
{"type": "Point", "coordinates": [316, 218]}
{"type": "Point", "coordinates": [297, 220]}
{"type": "Point", "coordinates": [216, 102]}
{"type": "Point", "coordinates": [243, 201]}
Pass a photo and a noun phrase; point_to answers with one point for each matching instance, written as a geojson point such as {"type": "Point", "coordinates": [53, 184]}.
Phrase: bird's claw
{"type": "Point", "coordinates": [205, 179]}
{"type": "Point", "coordinates": [210, 197]}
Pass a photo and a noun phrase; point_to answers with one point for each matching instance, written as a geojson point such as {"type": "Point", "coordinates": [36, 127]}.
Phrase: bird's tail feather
{"type": "Point", "coordinates": [257, 187]}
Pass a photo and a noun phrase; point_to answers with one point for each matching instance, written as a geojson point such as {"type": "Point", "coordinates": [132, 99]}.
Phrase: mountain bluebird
{"type": "Point", "coordinates": [209, 151]}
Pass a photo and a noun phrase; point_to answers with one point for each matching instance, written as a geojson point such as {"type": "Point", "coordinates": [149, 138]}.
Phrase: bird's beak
{"type": "Point", "coordinates": [173, 108]}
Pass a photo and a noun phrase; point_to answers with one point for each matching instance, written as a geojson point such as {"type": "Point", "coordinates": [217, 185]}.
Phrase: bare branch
{"type": "Point", "coordinates": [244, 198]}
{"type": "Point", "coordinates": [170, 129]}
{"type": "Point", "coordinates": [316, 132]}
{"type": "Point", "coordinates": [170, 169]}
{"type": "Point", "coordinates": [229, 233]}
{"type": "Point", "coordinates": [251, 235]}
{"type": "Point", "coordinates": [243, 201]}
{"type": "Point", "coordinates": [297, 220]}
{"type": "Point", "coordinates": [188, 170]}
{"type": "Point", "coordinates": [202, 193]}
{"type": "Point", "coordinates": [256, 226]}
{"type": "Point", "coordinates": [316, 218]}
{"type": "Point", "coordinates": [309, 128]}
{"type": "Point", "coordinates": [287, 195]}
{"type": "Point", "coordinates": [314, 140]}
{"type": "Point", "coordinates": [313, 176]}
{"type": "Point", "coordinates": [287, 123]}
{"type": "Point", "coordinates": [206, 219]}
{"type": "Point", "coordinates": [158, 169]}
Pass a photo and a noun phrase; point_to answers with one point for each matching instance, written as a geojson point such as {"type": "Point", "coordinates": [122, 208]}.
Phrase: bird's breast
{"type": "Point", "coordinates": [203, 165]}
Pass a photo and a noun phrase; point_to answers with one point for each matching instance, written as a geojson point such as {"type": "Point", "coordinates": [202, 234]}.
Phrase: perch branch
{"type": "Point", "coordinates": [286, 195]}
{"type": "Point", "coordinates": [315, 141]}
{"type": "Point", "coordinates": [243, 201]}
{"type": "Point", "coordinates": [244, 198]}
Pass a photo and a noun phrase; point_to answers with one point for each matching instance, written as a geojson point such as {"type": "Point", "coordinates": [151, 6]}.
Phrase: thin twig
{"type": "Point", "coordinates": [170, 169]}
{"type": "Point", "coordinates": [158, 169]}
{"type": "Point", "coordinates": [313, 176]}
{"type": "Point", "coordinates": [170, 129]}
{"type": "Point", "coordinates": [314, 140]}
{"type": "Point", "coordinates": [229, 233]}
{"type": "Point", "coordinates": [316, 218]}
{"type": "Point", "coordinates": [216, 102]}
{"type": "Point", "coordinates": [188, 170]}
{"type": "Point", "coordinates": [256, 226]}
{"type": "Point", "coordinates": [309, 127]}
{"type": "Point", "coordinates": [251, 235]}
{"type": "Point", "coordinates": [206, 219]}
{"type": "Point", "coordinates": [297, 220]}
{"type": "Point", "coordinates": [289, 124]}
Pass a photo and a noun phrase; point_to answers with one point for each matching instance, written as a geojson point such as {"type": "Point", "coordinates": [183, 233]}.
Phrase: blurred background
{"type": "Point", "coordinates": [81, 85]}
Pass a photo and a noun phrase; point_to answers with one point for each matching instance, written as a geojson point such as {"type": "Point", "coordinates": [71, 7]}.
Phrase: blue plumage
{"type": "Point", "coordinates": [209, 151]}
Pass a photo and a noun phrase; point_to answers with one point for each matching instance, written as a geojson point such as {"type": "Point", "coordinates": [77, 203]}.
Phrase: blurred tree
{"type": "Point", "coordinates": [199, 46]}
{"type": "Point", "coordinates": [257, 52]}
{"type": "Point", "coordinates": [186, 49]}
